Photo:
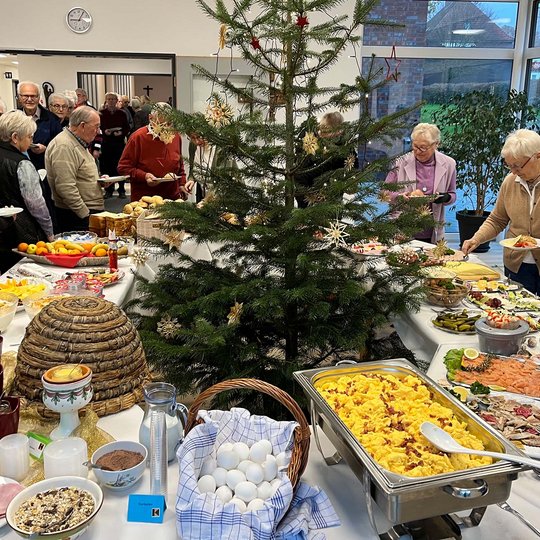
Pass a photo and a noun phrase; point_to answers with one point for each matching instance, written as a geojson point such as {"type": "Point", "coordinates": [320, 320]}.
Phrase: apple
{"type": "Point", "coordinates": [31, 249]}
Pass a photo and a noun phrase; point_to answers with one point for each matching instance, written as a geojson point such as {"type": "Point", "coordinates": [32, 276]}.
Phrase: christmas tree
{"type": "Point", "coordinates": [284, 291]}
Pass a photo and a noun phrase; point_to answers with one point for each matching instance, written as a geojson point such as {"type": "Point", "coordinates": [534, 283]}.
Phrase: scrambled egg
{"type": "Point", "coordinates": [385, 412]}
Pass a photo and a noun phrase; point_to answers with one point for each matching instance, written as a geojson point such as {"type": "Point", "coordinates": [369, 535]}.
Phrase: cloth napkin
{"type": "Point", "coordinates": [203, 516]}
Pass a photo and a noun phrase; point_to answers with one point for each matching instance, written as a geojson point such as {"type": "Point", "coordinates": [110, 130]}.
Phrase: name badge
{"type": "Point", "coordinates": [146, 508]}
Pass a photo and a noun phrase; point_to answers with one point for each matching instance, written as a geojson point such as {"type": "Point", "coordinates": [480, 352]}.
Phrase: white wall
{"type": "Point", "coordinates": [6, 85]}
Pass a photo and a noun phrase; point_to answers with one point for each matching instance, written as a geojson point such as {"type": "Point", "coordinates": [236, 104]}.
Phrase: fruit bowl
{"type": "Point", "coordinates": [446, 294]}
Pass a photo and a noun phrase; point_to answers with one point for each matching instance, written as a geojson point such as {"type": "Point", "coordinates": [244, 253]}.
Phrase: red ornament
{"type": "Point", "coordinates": [392, 73]}
{"type": "Point", "coordinates": [255, 43]}
{"type": "Point", "coordinates": [302, 21]}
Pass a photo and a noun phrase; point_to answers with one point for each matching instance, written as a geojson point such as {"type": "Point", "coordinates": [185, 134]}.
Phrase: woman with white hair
{"type": "Point", "coordinates": [425, 172]}
{"type": "Point", "coordinates": [517, 208]}
{"type": "Point", "coordinates": [153, 152]}
{"type": "Point", "coordinates": [20, 187]}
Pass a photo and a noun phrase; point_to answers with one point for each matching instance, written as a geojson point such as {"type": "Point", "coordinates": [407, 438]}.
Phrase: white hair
{"type": "Point", "coordinates": [430, 131]}
{"type": "Point", "coordinates": [3, 106]}
{"type": "Point", "coordinates": [57, 95]}
{"type": "Point", "coordinates": [28, 83]}
{"type": "Point", "coordinates": [16, 122]}
{"type": "Point", "coordinates": [522, 143]}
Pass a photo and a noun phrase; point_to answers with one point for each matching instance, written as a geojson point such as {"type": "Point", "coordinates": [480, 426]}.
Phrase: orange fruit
{"type": "Point", "coordinates": [22, 247]}
{"type": "Point", "coordinates": [101, 252]}
{"type": "Point", "coordinates": [88, 245]}
{"type": "Point", "coordinates": [41, 250]}
{"type": "Point", "coordinates": [39, 244]}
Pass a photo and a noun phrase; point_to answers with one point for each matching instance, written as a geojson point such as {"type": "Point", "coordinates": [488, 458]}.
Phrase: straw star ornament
{"type": "Point", "coordinates": [335, 234]}
{"type": "Point", "coordinates": [235, 312]}
{"type": "Point", "coordinates": [168, 327]}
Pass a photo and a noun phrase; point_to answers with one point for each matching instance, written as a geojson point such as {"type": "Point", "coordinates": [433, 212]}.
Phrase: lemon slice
{"type": "Point", "coordinates": [471, 353]}
{"type": "Point", "coordinates": [497, 388]}
{"type": "Point", "coordinates": [461, 392]}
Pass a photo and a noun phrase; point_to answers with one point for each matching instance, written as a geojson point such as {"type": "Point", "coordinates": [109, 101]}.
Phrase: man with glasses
{"type": "Point", "coordinates": [59, 106]}
{"type": "Point", "coordinates": [48, 125]}
{"type": "Point", "coordinates": [425, 172]}
{"type": "Point", "coordinates": [72, 172]}
{"type": "Point", "coordinates": [517, 209]}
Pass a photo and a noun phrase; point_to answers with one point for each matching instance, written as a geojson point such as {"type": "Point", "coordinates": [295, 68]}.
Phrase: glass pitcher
{"type": "Point", "coordinates": [160, 396]}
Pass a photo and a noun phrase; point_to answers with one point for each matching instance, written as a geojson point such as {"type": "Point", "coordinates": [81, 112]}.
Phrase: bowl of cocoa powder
{"type": "Point", "coordinates": [118, 465]}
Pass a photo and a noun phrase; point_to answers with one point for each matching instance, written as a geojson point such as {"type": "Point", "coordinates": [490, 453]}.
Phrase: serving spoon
{"type": "Point", "coordinates": [445, 442]}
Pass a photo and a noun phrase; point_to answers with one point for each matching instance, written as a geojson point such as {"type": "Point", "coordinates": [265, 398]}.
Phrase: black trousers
{"type": "Point", "coordinates": [67, 220]}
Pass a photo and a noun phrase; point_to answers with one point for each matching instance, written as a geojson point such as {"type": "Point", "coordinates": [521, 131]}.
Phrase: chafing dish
{"type": "Point", "coordinates": [404, 499]}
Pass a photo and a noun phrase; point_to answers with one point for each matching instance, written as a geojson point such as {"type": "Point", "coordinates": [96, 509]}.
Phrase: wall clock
{"type": "Point", "coordinates": [79, 20]}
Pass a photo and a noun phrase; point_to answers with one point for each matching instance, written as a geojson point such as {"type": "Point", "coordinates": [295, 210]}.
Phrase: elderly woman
{"type": "Point", "coordinates": [426, 172]}
{"type": "Point", "coordinates": [20, 187]}
{"type": "Point", "coordinates": [517, 208]}
{"type": "Point", "coordinates": [59, 106]}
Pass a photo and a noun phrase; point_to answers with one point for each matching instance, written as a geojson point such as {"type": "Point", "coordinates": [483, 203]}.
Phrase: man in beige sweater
{"type": "Point", "coordinates": [72, 171]}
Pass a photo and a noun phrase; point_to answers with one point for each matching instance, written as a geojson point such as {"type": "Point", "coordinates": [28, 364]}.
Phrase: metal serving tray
{"type": "Point", "coordinates": [404, 499]}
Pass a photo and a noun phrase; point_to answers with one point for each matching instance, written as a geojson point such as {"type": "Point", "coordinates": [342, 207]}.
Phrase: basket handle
{"type": "Point", "coordinates": [300, 451]}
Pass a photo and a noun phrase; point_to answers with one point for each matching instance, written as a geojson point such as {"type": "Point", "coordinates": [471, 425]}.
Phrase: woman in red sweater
{"type": "Point", "coordinates": [155, 151]}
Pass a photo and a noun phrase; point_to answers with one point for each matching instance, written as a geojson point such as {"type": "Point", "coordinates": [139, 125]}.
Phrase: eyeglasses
{"type": "Point", "coordinates": [422, 148]}
{"type": "Point", "coordinates": [56, 106]}
{"type": "Point", "coordinates": [517, 167]}
{"type": "Point", "coordinates": [28, 96]}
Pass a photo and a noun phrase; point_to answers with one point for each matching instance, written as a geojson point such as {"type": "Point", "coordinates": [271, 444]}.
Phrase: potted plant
{"type": "Point", "coordinates": [474, 127]}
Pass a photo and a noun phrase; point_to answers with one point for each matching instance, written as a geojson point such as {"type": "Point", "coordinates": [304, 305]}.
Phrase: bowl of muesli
{"type": "Point", "coordinates": [55, 509]}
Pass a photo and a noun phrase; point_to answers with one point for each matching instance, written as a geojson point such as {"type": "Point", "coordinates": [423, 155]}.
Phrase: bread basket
{"type": "Point", "coordinates": [299, 456]}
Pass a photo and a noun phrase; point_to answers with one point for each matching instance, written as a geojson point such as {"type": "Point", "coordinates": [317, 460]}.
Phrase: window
{"type": "Point", "coordinates": [533, 81]}
{"type": "Point", "coordinates": [535, 28]}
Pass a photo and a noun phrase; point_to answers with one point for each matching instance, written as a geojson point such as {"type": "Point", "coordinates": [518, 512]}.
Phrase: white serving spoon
{"type": "Point", "coordinates": [445, 442]}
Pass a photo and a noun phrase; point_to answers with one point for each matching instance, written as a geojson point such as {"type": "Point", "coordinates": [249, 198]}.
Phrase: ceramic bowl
{"type": "Point", "coordinates": [8, 307]}
{"type": "Point", "coordinates": [56, 483]}
{"type": "Point", "coordinates": [118, 480]}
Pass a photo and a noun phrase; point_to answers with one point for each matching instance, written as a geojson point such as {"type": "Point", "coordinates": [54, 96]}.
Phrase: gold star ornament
{"type": "Point", "coordinates": [234, 314]}
{"type": "Point", "coordinates": [310, 143]}
{"type": "Point", "coordinates": [335, 234]}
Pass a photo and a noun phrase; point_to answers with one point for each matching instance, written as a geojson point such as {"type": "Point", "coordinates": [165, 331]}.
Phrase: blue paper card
{"type": "Point", "coordinates": [146, 508]}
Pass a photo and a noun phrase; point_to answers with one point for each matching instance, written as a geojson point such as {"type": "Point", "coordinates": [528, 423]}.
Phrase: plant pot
{"type": "Point", "coordinates": [469, 223]}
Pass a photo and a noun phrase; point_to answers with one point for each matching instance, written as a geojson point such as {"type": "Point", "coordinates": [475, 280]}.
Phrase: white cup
{"type": "Point", "coordinates": [14, 456]}
{"type": "Point", "coordinates": [65, 457]}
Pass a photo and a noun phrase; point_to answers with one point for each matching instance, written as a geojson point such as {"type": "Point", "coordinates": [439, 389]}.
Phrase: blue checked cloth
{"type": "Point", "coordinates": [284, 517]}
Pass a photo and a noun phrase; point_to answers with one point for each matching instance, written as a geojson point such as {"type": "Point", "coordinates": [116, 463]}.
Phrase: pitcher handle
{"type": "Point", "coordinates": [182, 413]}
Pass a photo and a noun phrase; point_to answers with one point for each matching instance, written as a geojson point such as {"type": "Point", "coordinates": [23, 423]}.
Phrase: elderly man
{"type": "Point", "coordinates": [115, 127]}
{"type": "Point", "coordinates": [48, 125]}
{"type": "Point", "coordinates": [82, 98]}
{"type": "Point", "coordinates": [59, 106]}
{"type": "Point", "coordinates": [72, 171]}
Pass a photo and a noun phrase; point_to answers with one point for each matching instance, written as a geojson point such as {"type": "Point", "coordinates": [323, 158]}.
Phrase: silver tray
{"type": "Point", "coordinates": [400, 498]}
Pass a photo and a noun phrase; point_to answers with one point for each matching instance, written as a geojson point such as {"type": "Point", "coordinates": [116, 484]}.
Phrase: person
{"type": "Point", "coordinates": [330, 128]}
{"type": "Point", "coordinates": [48, 125]}
{"type": "Point", "coordinates": [72, 171]}
{"type": "Point", "coordinates": [115, 128]}
{"type": "Point", "coordinates": [82, 98]}
{"type": "Point", "coordinates": [426, 172]}
{"type": "Point", "coordinates": [516, 208]}
{"type": "Point", "coordinates": [59, 105]}
{"type": "Point", "coordinates": [124, 104]}
{"type": "Point", "coordinates": [140, 118]}
{"type": "Point", "coordinates": [20, 187]}
{"type": "Point", "coordinates": [3, 107]}
{"type": "Point", "coordinates": [153, 152]}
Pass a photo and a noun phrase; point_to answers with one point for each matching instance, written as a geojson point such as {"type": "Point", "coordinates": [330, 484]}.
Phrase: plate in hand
{"type": "Point", "coordinates": [509, 243]}
{"type": "Point", "coordinates": [9, 211]}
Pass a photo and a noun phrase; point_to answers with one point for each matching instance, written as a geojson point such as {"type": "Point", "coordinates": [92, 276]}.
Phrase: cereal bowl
{"type": "Point", "coordinates": [60, 487]}
{"type": "Point", "coordinates": [8, 307]}
{"type": "Point", "coordinates": [123, 478]}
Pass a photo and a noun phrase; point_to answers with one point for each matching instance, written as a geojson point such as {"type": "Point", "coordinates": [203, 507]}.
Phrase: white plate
{"type": "Point", "coordinates": [9, 211]}
{"type": "Point", "coordinates": [4, 480]}
{"type": "Point", "coordinates": [165, 179]}
{"type": "Point", "coordinates": [509, 243]}
{"type": "Point", "coordinates": [114, 179]}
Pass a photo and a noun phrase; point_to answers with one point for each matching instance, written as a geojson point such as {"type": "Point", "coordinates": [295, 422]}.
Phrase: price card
{"type": "Point", "coordinates": [146, 508]}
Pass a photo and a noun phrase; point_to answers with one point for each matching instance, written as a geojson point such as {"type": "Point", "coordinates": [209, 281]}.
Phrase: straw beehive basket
{"type": "Point", "coordinates": [90, 331]}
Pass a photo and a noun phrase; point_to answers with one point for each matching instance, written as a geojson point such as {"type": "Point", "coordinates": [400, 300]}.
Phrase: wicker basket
{"type": "Point", "coordinates": [300, 452]}
{"type": "Point", "coordinates": [153, 228]}
{"type": "Point", "coordinates": [90, 331]}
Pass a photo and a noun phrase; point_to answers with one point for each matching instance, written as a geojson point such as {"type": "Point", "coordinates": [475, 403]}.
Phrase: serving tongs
{"type": "Point", "coordinates": [524, 520]}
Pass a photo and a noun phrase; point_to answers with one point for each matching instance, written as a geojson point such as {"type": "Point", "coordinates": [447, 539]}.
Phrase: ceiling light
{"type": "Point", "coordinates": [468, 31]}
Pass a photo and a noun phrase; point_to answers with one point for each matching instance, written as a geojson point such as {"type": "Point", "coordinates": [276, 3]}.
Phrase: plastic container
{"type": "Point", "coordinates": [8, 306]}
{"type": "Point", "coordinates": [502, 341]}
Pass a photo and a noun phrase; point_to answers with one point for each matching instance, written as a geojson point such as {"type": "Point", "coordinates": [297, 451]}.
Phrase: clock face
{"type": "Point", "coordinates": [79, 20]}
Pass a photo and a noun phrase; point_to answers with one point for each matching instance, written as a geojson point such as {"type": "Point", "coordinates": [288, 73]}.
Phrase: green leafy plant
{"type": "Point", "coordinates": [474, 127]}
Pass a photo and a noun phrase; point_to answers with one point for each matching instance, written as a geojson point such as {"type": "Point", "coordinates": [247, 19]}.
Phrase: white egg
{"type": "Point", "coordinates": [275, 485]}
{"type": "Point", "coordinates": [235, 477]}
{"type": "Point", "coordinates": [228, 459]}
{"type": "Point", "coordinates": [225, 447]}
{"type": "Point", "coordinates": [220, 476]}
{"type": "Point", "coordinates": [242, 450]}
{"type": "Point", "coordinates": [266, 444]}
{"type": "Point", "coordinates": [206, 484]}
{"type": "Point", "coordinates": [255, 504]}
{"type": "Point", "coordinates": [247, 491]}
{"type": "Point", "coordinates": [243, 465]}
{"type": "Point", "coordinates": [224, 493]}
{"type": "Point", "coordinates": [282, 460]}
{"type": "Point", "coordinates": [239, 503]}
{"type": "Point", "coordinates": [264, 490]}
{"type": "Point", "coordinates": [255, 473]}
{"type": "Point", "coordinates": [259, 451]}
{"type": "Point", "coordinates": [208, 466]}
{"type": "Point", "coordinates": [270, 468]}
